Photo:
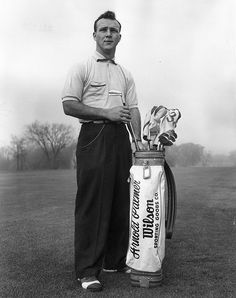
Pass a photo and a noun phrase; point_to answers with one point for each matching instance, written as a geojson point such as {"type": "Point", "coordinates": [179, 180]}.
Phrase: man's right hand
{"type": "Point", "coordinates": [120, 113]}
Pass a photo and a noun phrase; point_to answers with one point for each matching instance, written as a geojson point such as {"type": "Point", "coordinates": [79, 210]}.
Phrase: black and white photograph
{"type": "Point", "coordinates": [118, 148]}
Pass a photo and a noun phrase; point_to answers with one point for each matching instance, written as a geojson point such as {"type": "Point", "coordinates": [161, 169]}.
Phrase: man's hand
{"type": "Point", "coordinates": [120, 113]}
{"type": "Point", "coordinates": [141, 146]}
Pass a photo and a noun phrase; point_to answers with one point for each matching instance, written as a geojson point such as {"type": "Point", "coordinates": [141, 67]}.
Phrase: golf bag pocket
{"type": "Point", "coordinates": [146, 249]}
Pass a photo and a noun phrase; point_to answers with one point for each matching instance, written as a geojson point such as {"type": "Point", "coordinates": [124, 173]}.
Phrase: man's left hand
{"type": "Point", "coordinates": [141, 146]}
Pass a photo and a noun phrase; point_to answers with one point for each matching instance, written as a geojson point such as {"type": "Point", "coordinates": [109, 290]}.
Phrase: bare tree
{"type": "Point", "coordinates": [51, 138]}
{"type": "Point", "coordinates": [190, 154]}
{"type": "Point", "coordinates": [6, 158]}
{"type": "Point", "coordinates": [18, 148]}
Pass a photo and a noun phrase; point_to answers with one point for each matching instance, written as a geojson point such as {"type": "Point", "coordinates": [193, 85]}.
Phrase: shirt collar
{"type": "Point", "coordinates": [97, 55]}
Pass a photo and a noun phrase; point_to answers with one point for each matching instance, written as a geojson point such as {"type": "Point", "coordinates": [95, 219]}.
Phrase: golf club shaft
{"type": "Point", "coordinates": [130, 127]}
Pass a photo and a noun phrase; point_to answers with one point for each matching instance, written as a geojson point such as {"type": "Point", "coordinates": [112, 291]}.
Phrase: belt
{"type": "Point", "coordinates": [101, 122]}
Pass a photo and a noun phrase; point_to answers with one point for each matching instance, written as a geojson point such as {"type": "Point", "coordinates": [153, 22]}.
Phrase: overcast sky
{"type": "Point", "coordinates": [182, 54]}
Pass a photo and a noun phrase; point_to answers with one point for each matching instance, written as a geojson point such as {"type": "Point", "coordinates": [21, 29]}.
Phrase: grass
{"type": "Point", "coordinates": [36, 229]}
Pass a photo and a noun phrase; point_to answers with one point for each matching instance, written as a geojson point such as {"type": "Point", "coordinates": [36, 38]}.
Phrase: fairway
{"type": "Point", "coordinates": [36, 230]}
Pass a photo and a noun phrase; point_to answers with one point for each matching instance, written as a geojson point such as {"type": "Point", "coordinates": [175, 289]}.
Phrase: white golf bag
{"type": "Point", "coordinates": [152, 216]}
{"type": "Point", "coordinates": [152, 199]}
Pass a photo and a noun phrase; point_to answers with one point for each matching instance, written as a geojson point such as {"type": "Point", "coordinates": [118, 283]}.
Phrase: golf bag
{"type": "Point", "coordinates": [152, 216]}
{"type": "Point", "coordinates": [152, 198]}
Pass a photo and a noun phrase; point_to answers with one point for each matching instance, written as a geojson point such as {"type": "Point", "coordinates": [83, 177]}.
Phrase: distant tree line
{"type": "Point", "coordinates": [53, 146]}
{"type": "Point", "coordinates": [42, 146]}
{"type": "Point", "coordinates": [190, 154]}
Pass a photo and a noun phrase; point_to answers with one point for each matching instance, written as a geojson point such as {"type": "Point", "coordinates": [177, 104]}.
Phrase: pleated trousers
{"type": "Point", "coordinates": [102, 204]}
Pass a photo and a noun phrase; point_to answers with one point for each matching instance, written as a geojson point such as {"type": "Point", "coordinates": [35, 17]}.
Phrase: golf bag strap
{"type": "Point", "coordinates": [171, 201]}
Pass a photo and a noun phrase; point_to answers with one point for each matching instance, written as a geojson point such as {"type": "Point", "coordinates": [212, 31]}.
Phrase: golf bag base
{"type": "Point", "coordinates": [146, 279]}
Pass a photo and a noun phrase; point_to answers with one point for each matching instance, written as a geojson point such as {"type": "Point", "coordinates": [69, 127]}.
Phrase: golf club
{"type": "Point", "coordinates": [129, 125]}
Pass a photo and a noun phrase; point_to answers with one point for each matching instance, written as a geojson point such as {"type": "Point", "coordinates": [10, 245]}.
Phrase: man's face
{"type": "Point", "coordinates": [107, 35]}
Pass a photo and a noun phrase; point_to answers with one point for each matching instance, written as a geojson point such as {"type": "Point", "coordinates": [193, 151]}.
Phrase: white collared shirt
{"type": "Point", "coordinates": [100, 84]}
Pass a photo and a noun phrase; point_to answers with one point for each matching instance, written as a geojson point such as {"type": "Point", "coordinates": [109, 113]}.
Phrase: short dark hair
{"type": "Point", "coordinates": [106, 15]}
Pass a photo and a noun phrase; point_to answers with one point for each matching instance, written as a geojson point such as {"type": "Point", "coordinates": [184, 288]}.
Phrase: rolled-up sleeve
{"type": "Point", "coordinates": [74, 84]}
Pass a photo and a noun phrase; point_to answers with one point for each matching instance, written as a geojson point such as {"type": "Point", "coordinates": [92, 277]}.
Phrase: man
{"type": "Point", "coordinates": [102, 95]}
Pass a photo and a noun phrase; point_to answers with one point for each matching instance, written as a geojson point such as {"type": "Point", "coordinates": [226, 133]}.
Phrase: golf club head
{"type": "Point", "coordinates": [168, 138]}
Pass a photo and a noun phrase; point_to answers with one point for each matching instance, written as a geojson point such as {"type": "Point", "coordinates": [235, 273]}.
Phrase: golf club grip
{"type": "Point", "coordinates": [172, 201]}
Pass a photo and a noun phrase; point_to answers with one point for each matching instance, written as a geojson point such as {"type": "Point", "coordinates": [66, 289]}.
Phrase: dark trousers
{"type": "Point", "coordinates": [102, 203]}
